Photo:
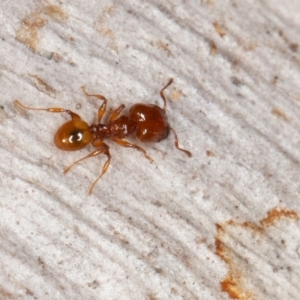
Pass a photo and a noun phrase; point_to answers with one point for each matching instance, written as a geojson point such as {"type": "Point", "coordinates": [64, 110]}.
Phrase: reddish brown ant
{"type": "Point", "coordinates": [148, 121]}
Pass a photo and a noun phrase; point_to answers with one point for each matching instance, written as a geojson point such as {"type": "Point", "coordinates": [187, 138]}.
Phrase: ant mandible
{"type": "Point", "coordinates": [148, 121]}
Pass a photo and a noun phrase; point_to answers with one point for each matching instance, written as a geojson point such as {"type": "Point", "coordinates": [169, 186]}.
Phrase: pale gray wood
{"type": "Point", "coordinates": [148, 231]}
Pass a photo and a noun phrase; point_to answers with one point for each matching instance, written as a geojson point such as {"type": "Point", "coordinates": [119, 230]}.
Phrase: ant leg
{"type": "Point", "coordinates": [162, 92]}
{"type": "Point", "coordinates": [105, 166]}
{"type": "Point", "coordinates": [51, 109]}
{"type": "Point", "coordinates": [188, 153]}
{"type": "Point", "coordinates": [125, 143]}
{"type": "Point", "coordinates": [92, 154]}
{"type": "Point", "coordinates": [115, 113]}
{"type": "Point", "coordinates": [103, 148]}
{"type": "Point", "coordinates": [102, 108]}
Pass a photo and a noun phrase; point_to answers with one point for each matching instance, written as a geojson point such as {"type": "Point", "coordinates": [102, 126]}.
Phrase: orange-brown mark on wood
{"type": "Point", "coordinates": [109, 33]}
{"type": "Point", "coordinates": [210, 3]}
{"type": "Point", "coordinates": [107, 12]}
{"type": "Point", "coordinates": [199, 240]}
{"type": "Point", "coordinates": [28, 31]}
{"type": "Point", "coordinates": [176, 94]}
{"type": "Point", "coordinates": [234, 289]}
{"type": "Point", "coordinates": [42, 85]}
{"type": "Point", "coordinates": [276, 214]}
{"type": "Point", "coordinates": [213, 48]}
{"type": "Point", "coordinates": [220, 247]}
{"type": "Point", "coordinates": [249, 47]}
{"type": "Point", "coordinates": [279, 113]}
{"type": "Point", "coordinates": [32, 24]}
{"type": "Point", "coordinates": [105, 30]}
{"type": "Point", "coordinates": [209, 153]}
{"type": "Point", "coordinates": [234, 284]}
{"type": "Point", "coordinates": [121, 237]}
{"type": "Point", "coordinates": [219, 29]}
{"type": "Point", "coordinates": [256, 230]}
{"type": "Point", "coordinates": [152, 297]}
{"type": "Point", "coordinates": [55, 12]}
{"type": "Point", "coordinates": [161, 45]}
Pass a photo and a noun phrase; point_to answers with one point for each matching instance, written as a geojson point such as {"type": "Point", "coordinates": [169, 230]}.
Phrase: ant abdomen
{"type": "Point", "coordinates": [152, 122]}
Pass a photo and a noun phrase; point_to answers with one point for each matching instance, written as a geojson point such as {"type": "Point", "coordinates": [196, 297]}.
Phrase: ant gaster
{"type": "Point", "coordinates": [148, 121]}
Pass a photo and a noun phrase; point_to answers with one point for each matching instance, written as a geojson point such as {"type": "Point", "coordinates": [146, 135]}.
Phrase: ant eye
{"type": "Point", "coordinates": [73, 135]}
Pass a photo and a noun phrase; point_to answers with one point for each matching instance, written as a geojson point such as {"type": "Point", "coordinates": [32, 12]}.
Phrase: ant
{"type": "Point", "coordinates": [148, 121]}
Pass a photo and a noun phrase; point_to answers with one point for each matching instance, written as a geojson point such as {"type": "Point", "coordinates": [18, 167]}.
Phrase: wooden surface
{"type": "Point", "coordinates": [223, 224]}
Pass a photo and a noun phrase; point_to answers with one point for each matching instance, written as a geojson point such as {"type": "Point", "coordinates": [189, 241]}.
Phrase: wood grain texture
{"type": "Point", "coordinates": [220, 225]}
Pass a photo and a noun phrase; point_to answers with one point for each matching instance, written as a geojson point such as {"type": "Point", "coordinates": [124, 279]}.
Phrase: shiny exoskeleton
{"type": "Point", "coordinates": [149, 122]}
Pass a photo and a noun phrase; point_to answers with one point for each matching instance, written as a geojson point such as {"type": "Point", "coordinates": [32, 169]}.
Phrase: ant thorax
{"type": "Point", "coordinates": [99, 131]}
{"type": "Point", "coordinates": [119, 128]}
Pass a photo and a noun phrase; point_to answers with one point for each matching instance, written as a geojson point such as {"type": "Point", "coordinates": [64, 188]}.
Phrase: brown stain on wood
{"type": "Point", "coordinates": [279, 113]}
{"type": "Point", "coordinates": [294, 47]}
{"type": "Point", "coordinates": [176, 94]}
{"type": "Point", "coordinates": [219, 29]}
{"type": "Point", "coordinates": [105, 30]}
{"type": "Point", "coordinates": [233, 283]}
{"type": "Point", "coordinates": [121, 237]}
{"type": "Point", "coordinates": [210, 153]}
{"type": "Point", "coordinates": [276, 214]}
{"type": "Point", "coordinates": [42, 85]}
{"type": "Point", "coordinates": [6, 294]}
{"type": "Point", "coordinates": [163, 46]}
{"type": "Point", "coordinates": [55, 57]}
{"type": "Point", "coordinates": [213, 49]}
{"type": "Point", "coordinates": [55, 13]}
{"type": "Point", "coordinates": [28, 32]}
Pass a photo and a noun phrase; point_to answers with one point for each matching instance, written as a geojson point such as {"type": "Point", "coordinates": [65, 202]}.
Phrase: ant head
{"type": "Point", "coordinates": [73, 135]}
